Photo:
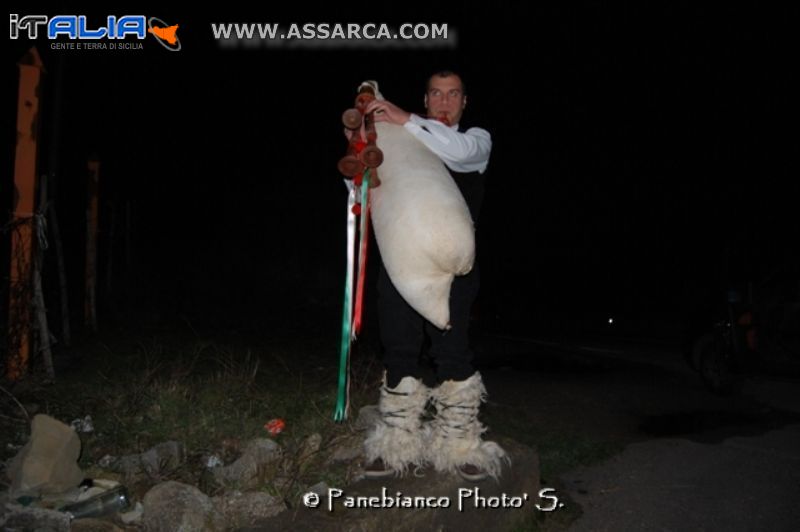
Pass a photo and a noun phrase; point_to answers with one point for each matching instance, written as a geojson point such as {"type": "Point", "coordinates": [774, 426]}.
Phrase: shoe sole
{"type": "Point", "coordinates": [378, 475]}
{"type": "Point", "coordinates": [473, 478]}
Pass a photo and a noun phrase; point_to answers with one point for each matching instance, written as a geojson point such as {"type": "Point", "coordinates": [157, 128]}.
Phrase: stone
{"type": "Point", "coordinates": [253, 468]}
{"type": "Point", "coordinates": [134, 516]}
{"type": "Point", "coordinates": [92, 524]}
{"type": "Point", "coordinates": [348, 449]}
{"type": "Point", "coordinates": [244, 509]}
{"type": "Point", "coordinates": [310, 446]}
{"type": "Point", "coordinates": [172, 506]}
{"type": "Point", "coordinates": [368, 416]}
{"type": "Point", "coordinates": [320, 488]}
{"type": "Point", "coordinates": [162, 457]}
{"type": "Point", "coordinates": [19, 517]}
{"type": "Point", "coordinates": [308, 451]}
{"type": "Point", "coordinates": [48, 463]}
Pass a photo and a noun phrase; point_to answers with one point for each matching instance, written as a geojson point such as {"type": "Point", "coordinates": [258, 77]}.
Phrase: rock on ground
{"type": "Point", "coordinates": [250, 470]}
{"type": "Point", "coordinates": [173, 506]}
{"type": "Point", "coordinates": [48, 463]}
{"type": "Point", "coordinates": [161, 457]}
{"type": "Point", "coordinates": [243, 509]}
{"type": "Point", "coordinates": [16, 517]}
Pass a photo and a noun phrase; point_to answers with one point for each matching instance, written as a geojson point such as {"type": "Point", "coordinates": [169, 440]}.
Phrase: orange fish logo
{"type": "Point", "coordinates": [166, 35]}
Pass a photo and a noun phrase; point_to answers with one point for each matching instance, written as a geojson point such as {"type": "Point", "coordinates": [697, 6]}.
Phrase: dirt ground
{"type": "Point", "coordinates": [646, 429]}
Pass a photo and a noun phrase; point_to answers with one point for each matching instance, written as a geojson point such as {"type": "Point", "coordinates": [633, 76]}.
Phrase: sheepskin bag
{"type": "Point", "coordinates": [422, 224]}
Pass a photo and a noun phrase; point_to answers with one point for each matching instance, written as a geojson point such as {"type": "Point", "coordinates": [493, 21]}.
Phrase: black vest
{"type": "Point", "coordinates": [471, 185]}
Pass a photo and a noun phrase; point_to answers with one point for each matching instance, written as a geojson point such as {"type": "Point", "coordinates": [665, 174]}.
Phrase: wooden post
{"type": "Point", "coordinates": [90, 302]}
{"type": "Point", "coordinates": [30, 72]}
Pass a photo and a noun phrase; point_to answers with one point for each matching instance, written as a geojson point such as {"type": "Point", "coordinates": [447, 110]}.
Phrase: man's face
{"type": "Point", "coordinates": [445, 99]}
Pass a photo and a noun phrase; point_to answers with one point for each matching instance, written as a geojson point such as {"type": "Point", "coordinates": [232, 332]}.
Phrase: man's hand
{"type": "Point", "coordinates": [388, 112]}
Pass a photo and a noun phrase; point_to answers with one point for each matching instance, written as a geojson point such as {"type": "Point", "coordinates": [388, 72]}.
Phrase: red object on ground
{"type": "Point", "coordinates": [275, 426]}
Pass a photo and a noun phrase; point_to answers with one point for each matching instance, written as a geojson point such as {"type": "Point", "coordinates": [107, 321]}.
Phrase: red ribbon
{"type": "Point", "coordinates": [362, 264]}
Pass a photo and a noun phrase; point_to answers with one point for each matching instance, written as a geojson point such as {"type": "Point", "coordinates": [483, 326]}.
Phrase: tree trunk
{"type": "Point", "coordinates": [112, 222]}
{"type": "Point", "coordinates": [90, 302]}
{"type": "Point", "coordinates": [41, 315]}
{"type": "Point", "coordinates": [39, 308]}
{"type": "Point", "coordinates": [62, 275]}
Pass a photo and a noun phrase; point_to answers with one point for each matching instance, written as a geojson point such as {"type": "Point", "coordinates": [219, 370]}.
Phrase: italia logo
{"type": "Point", "coordinates": [164, 34]}
{"type": "Point", "coordinates": [76, 27]}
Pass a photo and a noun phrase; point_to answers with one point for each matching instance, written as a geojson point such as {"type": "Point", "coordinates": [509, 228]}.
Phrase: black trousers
{"type": "Point", "coordinates": [403, 331]}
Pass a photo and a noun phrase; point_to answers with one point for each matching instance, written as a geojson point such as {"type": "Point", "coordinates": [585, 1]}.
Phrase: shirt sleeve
{"type": "Point", "coordinates": [461, 152]}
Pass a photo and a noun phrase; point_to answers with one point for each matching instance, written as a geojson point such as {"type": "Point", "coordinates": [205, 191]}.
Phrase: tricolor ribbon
{"type": "Point", "coordinates": [351, 324]}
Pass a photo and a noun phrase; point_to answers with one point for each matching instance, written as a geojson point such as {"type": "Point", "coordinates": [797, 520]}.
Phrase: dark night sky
{"type": "Point", "coordinates": [641, 154]}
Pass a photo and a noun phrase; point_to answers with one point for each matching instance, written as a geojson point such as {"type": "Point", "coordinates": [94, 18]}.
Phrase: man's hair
{"type": "Point", "coordinates": [446, 74]}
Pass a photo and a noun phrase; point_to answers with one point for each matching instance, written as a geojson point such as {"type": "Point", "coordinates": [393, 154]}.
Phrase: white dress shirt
{"type": "Point", "coordinates": [460, 152]}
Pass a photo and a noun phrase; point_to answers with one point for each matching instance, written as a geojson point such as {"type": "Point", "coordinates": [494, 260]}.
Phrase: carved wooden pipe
{"type": "Point", "coordinates": [352, 118]}
{"type": "Point", "coordinates": [350, 165]}
{"type": "Point", "coordinates": [372, 156]}
{"type": "Point", "coordinates": [358, 154]}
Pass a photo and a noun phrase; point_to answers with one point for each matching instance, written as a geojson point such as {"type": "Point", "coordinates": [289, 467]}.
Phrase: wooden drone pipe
{"type": "Point", "coordinates": [352, 118]}
{"type": "Point", "coordinates": [350, 165]}
{"type": "Point", "coordinates": [371, 155]}
{"type": "Point", "coordinates": [360, 154]}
